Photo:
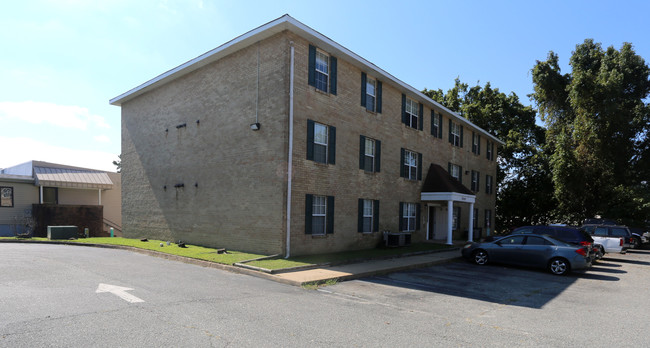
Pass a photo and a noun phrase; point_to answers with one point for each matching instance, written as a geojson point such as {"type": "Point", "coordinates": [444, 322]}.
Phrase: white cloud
{"type": "Point", "coordinates": [26, 149]}
{"type": "Point", "coordinates": [66, 116]}
{"type": "Point", "coordinates": [102, 139]}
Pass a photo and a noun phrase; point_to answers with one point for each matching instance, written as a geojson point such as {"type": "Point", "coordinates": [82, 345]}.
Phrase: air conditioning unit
{"type": "Point", "coordinates": [397, 239]}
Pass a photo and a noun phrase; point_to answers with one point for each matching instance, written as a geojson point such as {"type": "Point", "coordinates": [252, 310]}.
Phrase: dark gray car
{"type": "Point", "coordinates": [530, 250]}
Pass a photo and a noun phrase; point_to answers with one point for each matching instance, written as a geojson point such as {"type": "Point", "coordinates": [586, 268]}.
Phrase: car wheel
{"type": "Point", "coordinates": [559, 266]}
{"type": "Point", "coordinates": [480, 257]}
{"type": "Point", "coordinates": [600, 253]}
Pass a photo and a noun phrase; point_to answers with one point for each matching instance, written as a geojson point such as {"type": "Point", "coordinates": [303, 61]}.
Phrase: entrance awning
{"type": "Point", "coordinates": [439, 185]}
{"type": "Point", "coordinates": [72, 178]}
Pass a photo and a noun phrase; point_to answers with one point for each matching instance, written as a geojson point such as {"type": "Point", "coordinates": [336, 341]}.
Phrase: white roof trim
{"type": "Point", "coordinates": [286, 22]}
{"type": "Point", "coordinates": [447, 196]}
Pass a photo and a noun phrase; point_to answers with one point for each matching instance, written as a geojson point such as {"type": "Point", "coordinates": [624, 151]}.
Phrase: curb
{"type": "Point", "coordinates": [252, 271]}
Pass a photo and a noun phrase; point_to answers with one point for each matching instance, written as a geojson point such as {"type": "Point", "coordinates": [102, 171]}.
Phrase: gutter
{"type": "Point", "coordinates": [290, 159]}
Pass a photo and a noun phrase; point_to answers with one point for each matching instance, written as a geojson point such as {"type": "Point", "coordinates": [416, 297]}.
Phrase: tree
{"type": "Point", "coordinates": [118, 163]}
{"type": "Point", "coordinates": [524, 194]}
{"type": "Point", "coordinates": [597, 131]}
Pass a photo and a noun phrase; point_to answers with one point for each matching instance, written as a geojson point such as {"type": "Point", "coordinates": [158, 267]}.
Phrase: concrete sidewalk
{"type": "Point", "coordinates": [367, 268]}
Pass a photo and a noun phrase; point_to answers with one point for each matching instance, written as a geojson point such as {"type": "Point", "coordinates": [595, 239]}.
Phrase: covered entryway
{"type": "Point", "coordinates": [442, 190]}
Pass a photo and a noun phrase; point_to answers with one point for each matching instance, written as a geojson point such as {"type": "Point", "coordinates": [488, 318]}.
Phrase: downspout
{"type": "Point", "coordinates": [290, 161]}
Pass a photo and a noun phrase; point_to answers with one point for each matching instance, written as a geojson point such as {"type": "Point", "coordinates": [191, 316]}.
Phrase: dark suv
{"type": "Point", "coordinates": [564, 233]}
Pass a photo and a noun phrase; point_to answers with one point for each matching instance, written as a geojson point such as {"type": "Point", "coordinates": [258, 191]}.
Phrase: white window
{"type": "Point", "coordinates": [410, 165]}
{"type": "Point", "coordinates": [489, 150]}
{"type": "Point", "coordinates": [475, 181]}
{"type": "Point", "coordinates": [412, 110]}
{"type": "Point", "coordinates": [369, 161]}
{"type": "Point", "coordinates": [319, 214]}
{"type": "Point", "coordinates": [367, 215]}
{"type": "Point", "coordinates": [488, 218]}
{"type": "Point", "coordinates": [435, 125]}
{"type": "Point", "coordinates": [476, 144]}
{"type": "Point", "coordinates": [371, 95]}
{"type": "Point", "coordinates": [320, 142]}
{"type": "Point", "coordinates": [322, 70]}
{"type": "Point", "coordinates": [455, 171]}
{"type": "Point", "coordinates": [488, 184]}
{"type": "Point", "coordinates": [408, 217]}
{"type": "Point", "coordinates": [455, 134]}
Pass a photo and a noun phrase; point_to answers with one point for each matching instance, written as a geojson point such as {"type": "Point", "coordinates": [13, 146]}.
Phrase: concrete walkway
{"type": "Point", "coordinates": [366, 269]}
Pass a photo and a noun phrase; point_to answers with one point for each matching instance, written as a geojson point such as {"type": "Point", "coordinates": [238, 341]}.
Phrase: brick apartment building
{"type": "Point", "coordinates": [284, 141]}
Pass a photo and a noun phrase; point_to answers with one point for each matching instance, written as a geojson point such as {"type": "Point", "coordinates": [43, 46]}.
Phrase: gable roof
{"type": "Point", "coordinates": [439, 180]}
{"type": "Point", "coordinates": [59, 175]}
{"type": "Point", "coordinates": [269, 29]}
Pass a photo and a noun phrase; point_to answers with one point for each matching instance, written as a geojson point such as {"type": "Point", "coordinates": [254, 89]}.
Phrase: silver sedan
{"type": "Point", "coordinates": [530, 250]}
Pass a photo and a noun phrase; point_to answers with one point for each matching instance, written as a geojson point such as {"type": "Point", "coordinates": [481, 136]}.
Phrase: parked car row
{"type": "Point", "coordinates": [558, 248]}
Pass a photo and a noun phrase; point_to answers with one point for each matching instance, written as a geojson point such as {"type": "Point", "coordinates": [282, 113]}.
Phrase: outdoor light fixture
{"type": "Point", "coordinates": [182, 125]}
{"type": "Point", "coordinates": [255, 126]}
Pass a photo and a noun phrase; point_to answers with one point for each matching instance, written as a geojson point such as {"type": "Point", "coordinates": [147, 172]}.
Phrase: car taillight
{"type": "Point", "coordinates": [582, 251]}
{"type": "Point", "coordinates": [585, 243]}
{"type": "Point", "coordinates": [620, 242]}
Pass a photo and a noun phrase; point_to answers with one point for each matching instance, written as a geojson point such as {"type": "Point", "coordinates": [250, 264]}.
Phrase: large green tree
{"type": "Point", "coordinates": [597, 120]}
{"type": "Point", "coordinates": [524, 194]}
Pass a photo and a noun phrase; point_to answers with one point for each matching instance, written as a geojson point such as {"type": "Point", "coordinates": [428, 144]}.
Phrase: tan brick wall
{"type": "Point", "coordinates": [239, 173]}
{"type": "Point", "coordinates": [345, 181]}
{"type": "Point", "coordinates": [241, 195]}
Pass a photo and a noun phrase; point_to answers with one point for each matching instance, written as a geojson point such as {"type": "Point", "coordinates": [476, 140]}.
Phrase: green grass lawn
{"type": "Point", "coordinates": [192, 251]}
{"type": "Point", "coordinates": [346, 256]}
{"type": "Point", "coordinates": [210, 254]}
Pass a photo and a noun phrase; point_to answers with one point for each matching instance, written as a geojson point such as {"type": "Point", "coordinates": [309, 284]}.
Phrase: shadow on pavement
{"type": "Point", "coordinates": [598, 268]}
{"type": "Point", "coordinates": [633, 262]}
{"type": "Point", "coordinates": [513, 286]}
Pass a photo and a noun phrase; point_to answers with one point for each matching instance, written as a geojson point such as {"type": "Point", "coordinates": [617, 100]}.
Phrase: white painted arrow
{"type": "Point", "coordinates": [119, 291]}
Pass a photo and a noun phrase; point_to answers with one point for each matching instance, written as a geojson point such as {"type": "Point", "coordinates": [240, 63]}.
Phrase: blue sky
{"type": "Point", "coordinates": [62, 60]}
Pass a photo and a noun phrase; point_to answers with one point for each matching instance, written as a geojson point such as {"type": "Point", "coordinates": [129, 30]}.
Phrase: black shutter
{"type": "Point", "coordinates": [330, 214]}
{"type": "Point", "coordinates": [360, 216]}
{"type": "Point", "coordinates": [417, 216]}
{"type": "Point", "coordinates": [331, 146]}
{"type": "Point", "coordinates": [433, 114]}
{"type": "Point", "coordinates": [333, 75]}
{"type": "Point", "coordinates": [459, 219]}
{"type": "Point", "coordinates": [487, 150]}
{"type": "Point", "coordinates": [478, 146]}
{"type": "Point", "coordinates": [473, 148]}
{"type": "Point", "coordinates": [309, 201]}
{"type": "Point", "coordinates": [401, 209]}
{"type": "Point", "coordinates": [378, 108]}
{"type": "Point", "coordinates": [310, 140]}
{"type": "Point", "coordinates": [375, 216]}
{"type": "Point", "coordinates": [377, 155]}
{"type": "Point", "coordinates": [461, 136]}
{"type": "Point", "coordinates": [460, 174]}
{"type": "Point", "coordinates": [421, 117]}
{"type": "Point", "coordinates": [449, 168]}
{"type": "Point", "coordinates": [401, 164]}
{"type": "Point", "coordinates": [451, 136]}
{"type": "Point", "coordinates": [404, 120]}
{"type": "Point", "coordinates": [363, 89]}
{"type": "Point", "coordinates": [419, 166]}
{"type": "Point", "coordinates": [362, 152]}
{"type": "Point", "coordinates": [440, 126]}
{"type": "Point", "coordinates": [312, 65]}
{"type": "Point", "coordinates": [478, 181]}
